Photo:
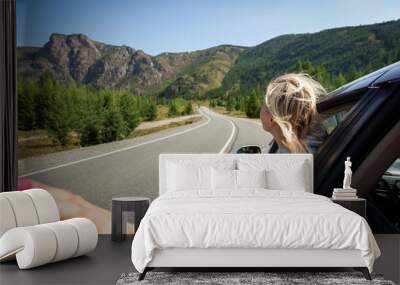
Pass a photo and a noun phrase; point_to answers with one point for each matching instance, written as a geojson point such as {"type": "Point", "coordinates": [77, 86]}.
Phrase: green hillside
{"type": "Point", "coordinates": [333, 56]}
{"type": "Point", "coordinates": [205, 73]}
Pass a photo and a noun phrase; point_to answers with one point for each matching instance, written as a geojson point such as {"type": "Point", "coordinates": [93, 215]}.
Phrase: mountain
{"type": "Point", "coordinates": [204, 74]}
{"type": "Point", "coordinates": [78, 59]}
{"type": "Point", "coordinates": [217, 71]}
{"type": "Point", "coordinates": [340, 50]}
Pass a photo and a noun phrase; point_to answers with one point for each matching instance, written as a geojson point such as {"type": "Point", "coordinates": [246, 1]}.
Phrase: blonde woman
{"type": "Point", "coordinates": [288, 110]}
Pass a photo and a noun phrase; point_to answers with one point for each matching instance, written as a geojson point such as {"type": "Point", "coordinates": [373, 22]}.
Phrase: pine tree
{"type": "Point", "coordinates": [253, 106]}
{"type": "Point", "coordinates": [352, 74]}
{"type": "Point", "coordinates": [307, 67]}
{"type": "Point", "coordinates": [237, 104]}
{"type": "Point", "coordinates": [188, 108]}
{"type": "Point", "coordinates": [91, 131]}
{"type": "Point", "coordinates": [47, 85]}
{"type": "Point", "coordinates": [229, 104]}
{"type": "Point", "coordinates": [27, 92]}
{"type": "Point", "coordinates": [340, 80]}
{"type": "Point", "coordinates": [151, 113]}
{"type": "Point", "coordinates": [173, 109]}
{"type": "Point", "coordinates": [58, 122]}
{"type": "Point", "coordinates": [220, 102]}
{"type": "Point", "coordinates": [114, 127]}
{"type": "Point", "coordinates": [299, 66]}
{"type": "Point", "coordinates": [129, 110]}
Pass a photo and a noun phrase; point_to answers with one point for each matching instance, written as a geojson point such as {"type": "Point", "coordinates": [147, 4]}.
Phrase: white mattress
{"type": "Point", "coordinates": [252, 218]}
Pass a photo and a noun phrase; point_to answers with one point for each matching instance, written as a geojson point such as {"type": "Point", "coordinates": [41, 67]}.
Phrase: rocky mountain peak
{"type": "Point", "coordinates": [79, 59]}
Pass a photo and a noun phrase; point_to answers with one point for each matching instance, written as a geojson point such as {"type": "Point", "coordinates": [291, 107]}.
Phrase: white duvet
{"type": "Point", "coordinates": [250, 218]}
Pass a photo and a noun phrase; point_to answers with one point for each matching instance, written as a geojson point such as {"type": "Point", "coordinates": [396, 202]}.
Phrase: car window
{"type": "Point", "coordinates": [325, 125]}
{"type": "Point", "coordinates": [331, 122]}
{"type": "Point", "coordinates": [387, 196]}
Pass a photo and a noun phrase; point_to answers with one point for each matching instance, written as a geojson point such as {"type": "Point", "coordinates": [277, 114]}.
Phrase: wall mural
{"type": "Point", "coordinates": [94, 114]}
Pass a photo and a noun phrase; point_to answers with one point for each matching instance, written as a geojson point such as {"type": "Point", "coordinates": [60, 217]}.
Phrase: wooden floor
{"type": "Point", "coordinates": [110, 259]}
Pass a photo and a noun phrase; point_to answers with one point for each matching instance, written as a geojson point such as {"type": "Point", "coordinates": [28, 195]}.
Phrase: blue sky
{"type": "Point", "coordinates": [157, 26]}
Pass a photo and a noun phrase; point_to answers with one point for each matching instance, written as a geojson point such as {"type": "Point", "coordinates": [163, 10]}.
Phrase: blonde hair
{"type": "Point", "coordinates": [292, 102]}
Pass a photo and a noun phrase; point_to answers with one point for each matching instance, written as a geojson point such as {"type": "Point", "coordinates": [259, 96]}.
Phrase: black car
{"type": "Point", "coordinates": [362, 120]}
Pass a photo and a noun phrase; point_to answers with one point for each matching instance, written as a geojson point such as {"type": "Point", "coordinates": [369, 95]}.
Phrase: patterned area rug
{"type": "Point", "coordinates": [229, 278]}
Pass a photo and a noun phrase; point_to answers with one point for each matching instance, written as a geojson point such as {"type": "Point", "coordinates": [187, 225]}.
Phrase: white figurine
{"type": "Point", "coordinates": [347, 174]}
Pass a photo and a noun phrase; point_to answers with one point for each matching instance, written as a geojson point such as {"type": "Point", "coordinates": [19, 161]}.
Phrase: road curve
{"type": "Point", "coordinates": [130, 167]}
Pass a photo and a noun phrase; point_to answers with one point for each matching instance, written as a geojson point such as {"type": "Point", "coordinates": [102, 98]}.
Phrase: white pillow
{"type": "Point", "coordinates": [282, 174]}
{"type": "Point", "coordinates": [293, 178]}
{"type": "Point", "coordinates": [226, 179]}
{"type": "Point", "coordinates": [191, 177]}
{"type": "Point", "coordinates": [189, 174]}
{"type": "Point", "coordinates": [223, 179]}
{"type": "Point", "coordinates": [251, 178]}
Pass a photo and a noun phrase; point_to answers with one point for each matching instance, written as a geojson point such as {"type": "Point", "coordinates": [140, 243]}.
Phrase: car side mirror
{"type": "Point", "coordinates": [249, 149]}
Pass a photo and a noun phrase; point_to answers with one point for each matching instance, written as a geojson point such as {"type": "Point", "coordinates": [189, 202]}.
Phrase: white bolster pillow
{"type": "Point", "coordinates": [45, 205]}
{"type": "Point", "coordinates": [22, 208]}
{"type": "Point", "coordinates": [40, 244]}
{"type": "Point", "coordinates": [87, 235]}
{"type": "Point", "coordinates": [33, 246]}
{"type": "Point", "coordinates": [26, 208]}
{"type": "Point", "coordinates": [7, 218]}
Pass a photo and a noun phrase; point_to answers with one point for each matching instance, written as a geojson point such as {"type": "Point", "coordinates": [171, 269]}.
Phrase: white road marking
{"type": "Point", "coordinates": [224, 148]}
{"type": "Point", "coordinates": [119, 150]}
{"type": "Point", "coordinates": [234, 127]}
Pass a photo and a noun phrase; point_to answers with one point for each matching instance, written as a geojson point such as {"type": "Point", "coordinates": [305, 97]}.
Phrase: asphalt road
{"type": "Point", "coordinates": [130, 167]}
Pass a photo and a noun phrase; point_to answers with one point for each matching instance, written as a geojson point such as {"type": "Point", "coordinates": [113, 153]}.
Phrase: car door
{"type": "Point", "coordinates": [384, 202]}
{"type": "Point", "coordinates": [361, 120]}
{"type": "Point", "coordinates": [363, 127]}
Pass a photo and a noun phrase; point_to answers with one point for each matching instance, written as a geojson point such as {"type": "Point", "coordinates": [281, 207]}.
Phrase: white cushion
{"type": "Point", "coordinates": [293, 178]}
{"type": "Point", "coordinates": [23, 208]}
{"type": "Point", "coordinates": [34, 244]}
{"type": "Point", "coordinates": [226, 179]}
{"type": "Point", "coordinates": [27, 208]}
{"type": "Point", "coordinates": [183, 178]}
{"type": "Point", "coordinates": [251, 178]}
{"type": "Point", "coordinates": [279, 162]}
{"type": "Point", "coordinates": [67, 240]}
{"type": "Point", "coordinates": [45, 205]}
{"type": "Point", "coordinates": [7, 218]}
{"type": "Point", "coordinates": [87, 233]}
{"type": "Point", "coordinates": [41, 244]}
{"type": "Point", "coordinates": [223, 179]}
{"type": "Point", "coordinates": [193, 175]}
{"type": "Point", "coordinates": [282, 174]}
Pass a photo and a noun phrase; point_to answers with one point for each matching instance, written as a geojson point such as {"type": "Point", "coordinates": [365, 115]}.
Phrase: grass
{"type": "Point", "coordinates": [139, 133]}
{"type": "Point", "coordinates": [162, 110]}
{"type": "Point", "coordinates": [41, 144]}
{"type": "Point", "coordinates": [233, 113]}
{"type": "Point", "coordinates": [222, 110]}
{"type": "Point", "coordinates": [37, 142]}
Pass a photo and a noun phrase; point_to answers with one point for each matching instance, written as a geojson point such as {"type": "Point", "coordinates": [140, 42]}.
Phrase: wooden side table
{"type": "Point", "coordinates": [357, 205]}
{"type": "Point", "coordinates": [120, 206]}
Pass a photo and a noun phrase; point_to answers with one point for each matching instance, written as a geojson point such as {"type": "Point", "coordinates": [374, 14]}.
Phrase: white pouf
{"type": "Point", "coordinates": [31, 232]}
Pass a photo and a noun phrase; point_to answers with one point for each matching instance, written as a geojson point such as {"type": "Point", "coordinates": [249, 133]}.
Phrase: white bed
{"type": "Point", "coordinates": [197, 223]}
